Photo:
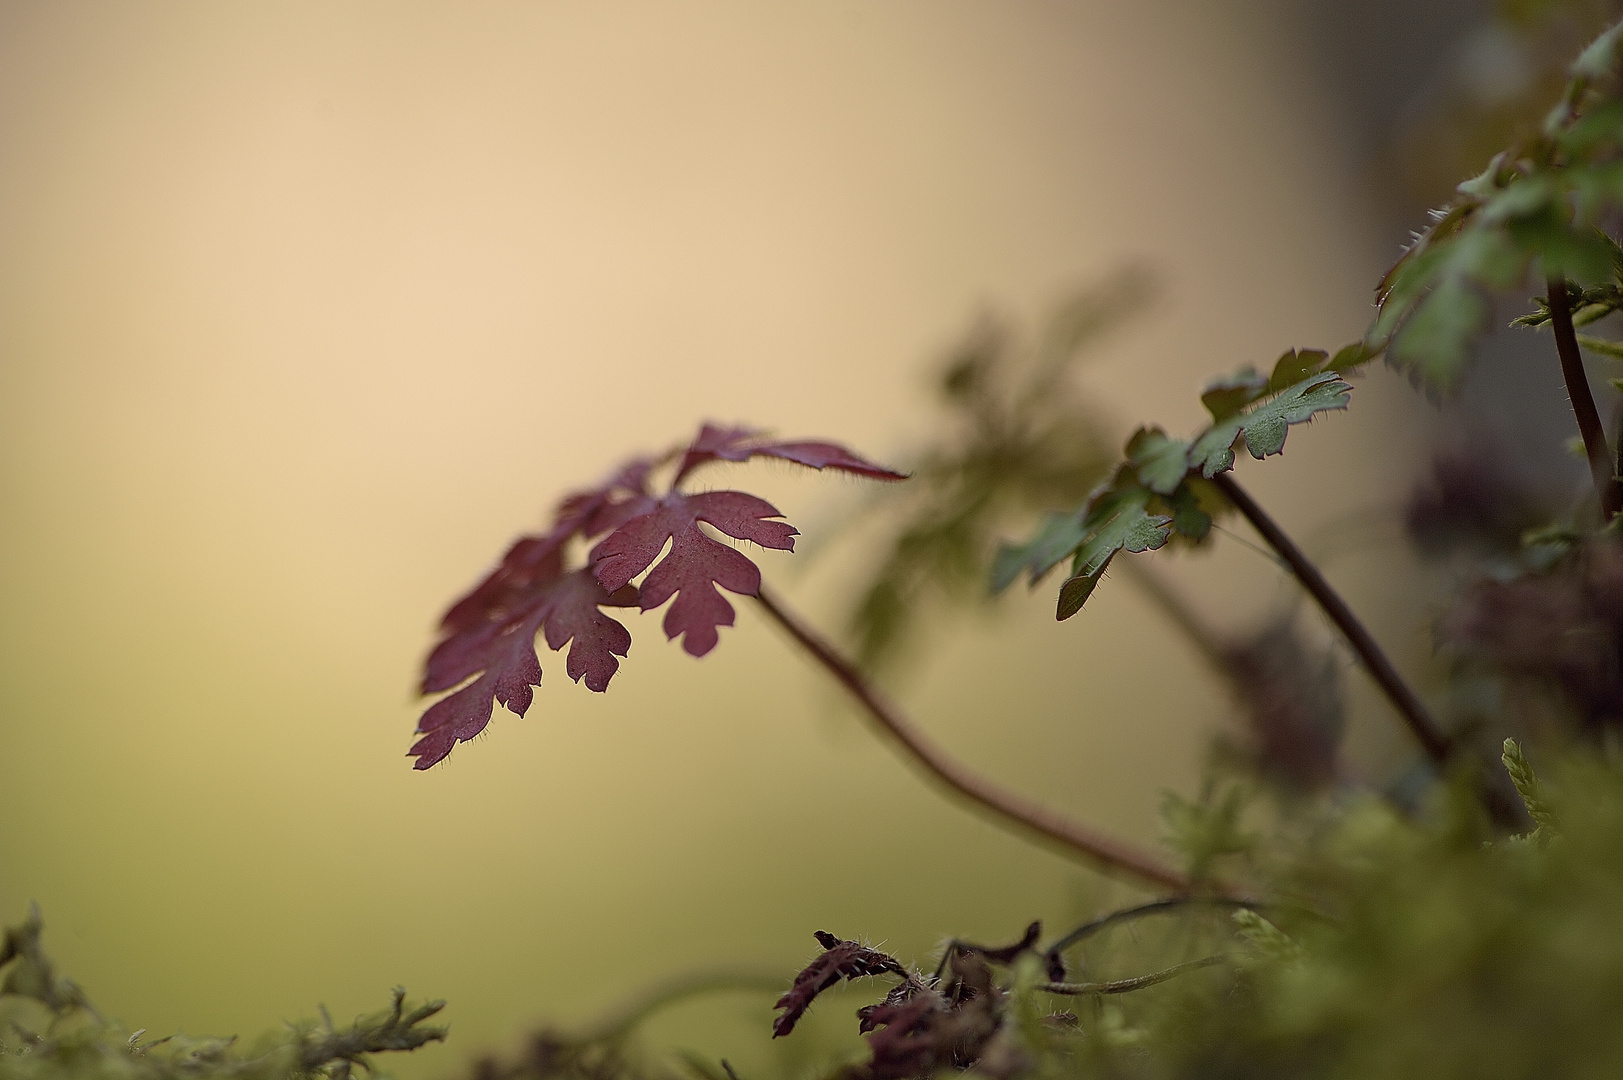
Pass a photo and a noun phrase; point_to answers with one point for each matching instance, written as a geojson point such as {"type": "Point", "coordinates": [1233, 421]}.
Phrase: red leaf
{"type": "Point", "coordinates": [532, 559]}
{"type": "Point", "coordinates": [740, 444]}
{"type": "Point", "coordinates": [500, 649]}
{"type": "Point", "coordinates": [696, 563]}
{"type": "Point", "coordinates": [840, 960]}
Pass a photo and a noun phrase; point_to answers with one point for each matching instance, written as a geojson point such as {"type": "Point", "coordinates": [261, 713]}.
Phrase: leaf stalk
{"type": "Point", "coordinates": [1407, 703]}
{"type": "Point", "coordinates": [1008, 809]}
{"type": "Point", "coordinates": [1601, 469]}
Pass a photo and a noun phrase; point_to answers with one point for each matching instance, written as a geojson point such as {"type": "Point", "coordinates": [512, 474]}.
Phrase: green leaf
{"type": "Point", "coordinates": [1075, 592]}
{"type": "Point", "coordinates": [1436, 341]}
{"type": "Point", "coordinates": [1349, 358]}
{"type": "Point", "coordinates": [1226, 396]}
{"type": "Point", "coordinates": [1612, 349]}
{"type": "Point", "coordinates": [1265, 425]}
{"type": "Point", "coordinates": [1161, 461]}
{"type": "Point", "coordinates": [1118, 521]}
{"type": "Point", "coordinates": [1052, 543]}
{"type": "Point", "coordinates": [1189, 518]}
{"type": "Point", "coordinates": [1295, 366]}
{"type": "Point", "coordinates": [1596, 61]}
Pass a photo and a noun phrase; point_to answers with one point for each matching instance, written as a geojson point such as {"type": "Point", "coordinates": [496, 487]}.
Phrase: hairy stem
{"type": "Point", "coordinates": [1007, 808]}
{"type": "Point", "coordinates": [1398, 692]}
{"type": "Point", "coordinates": [1601, 469]}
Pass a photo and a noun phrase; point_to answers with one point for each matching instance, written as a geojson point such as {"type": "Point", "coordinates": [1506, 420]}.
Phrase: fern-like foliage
{"type": "Point", "coordinates": [1163, 489]}
{"type": "Point", "coordinates": [1536, 208]}
{"type": "Point", "coordinates": [487, 654]}
{"type": "Point", "coordinates": [1013, 438]}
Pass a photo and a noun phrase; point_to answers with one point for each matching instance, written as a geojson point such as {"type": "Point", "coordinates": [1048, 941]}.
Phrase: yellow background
{"type": "Point", "coordinates": [307, 308]}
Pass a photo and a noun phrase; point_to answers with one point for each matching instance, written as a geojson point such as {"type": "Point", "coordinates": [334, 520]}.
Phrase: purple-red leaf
{"type": "Point", "coordinates": [696, 563]}
{"type": "Point", "coordinates": [533, 559]}
{"type": "Point", "coordinates": [740, 444]}
{"type": "Point", "coordinates": [840, 960]}
{"type": "Point", "coordinates": [500, 650]}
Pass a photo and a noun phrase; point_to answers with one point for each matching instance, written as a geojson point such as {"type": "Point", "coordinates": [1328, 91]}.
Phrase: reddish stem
{"type": "Point", "coordinates": [1007, 808]}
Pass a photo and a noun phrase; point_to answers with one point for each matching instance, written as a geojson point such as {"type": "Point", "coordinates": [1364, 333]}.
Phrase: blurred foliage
{"type": "Point", "coordinates": [51, 1030]}
{"type": "Point", "coordinates": [1389, 946]}
{"type": "Point", "coordinates": [1490, 92]}
{"type": "Point", "coordinates": [1015, 438]}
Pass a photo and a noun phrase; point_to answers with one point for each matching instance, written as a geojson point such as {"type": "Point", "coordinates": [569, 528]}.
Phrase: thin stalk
{"type": "Point", "coordinates": [1601, 468]}
{"type": "Point", "coordinates": [1127, 986]}
{"type": "Point", "coordinates": [1088, 929]}
{"type": "Point", "coordinates": [1404, 699]}
{"type": "Point", "coordinates": [1005, 807]}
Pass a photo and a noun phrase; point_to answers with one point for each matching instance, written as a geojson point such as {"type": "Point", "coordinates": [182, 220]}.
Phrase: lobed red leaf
{"type": "Point", "coordinates": [696, 563]}
{"type": "Point", "coordinates": [501, 651]}
{"type": "Point", "coordinates": [715, 443]}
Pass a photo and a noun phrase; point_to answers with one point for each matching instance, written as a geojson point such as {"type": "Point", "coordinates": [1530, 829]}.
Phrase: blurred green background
{"type": "Point", "coordinates": [306, 309]}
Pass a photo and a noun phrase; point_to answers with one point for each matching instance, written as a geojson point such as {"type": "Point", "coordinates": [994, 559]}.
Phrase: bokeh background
{"type": "Point", "coordinates": [307, 308]}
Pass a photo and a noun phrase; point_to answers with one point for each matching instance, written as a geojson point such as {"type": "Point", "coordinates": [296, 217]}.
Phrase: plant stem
{"type": "Point", "coordinates": [1407, 703]}
{"type": "Point", "coordinates": [1093, 926]}
{"type": "Point", "coordinates": [1601, 468]}
{"type": "Point", "coordinates": [1127, 986]}
{"type": "Point", "coordinates": [1007, 808]}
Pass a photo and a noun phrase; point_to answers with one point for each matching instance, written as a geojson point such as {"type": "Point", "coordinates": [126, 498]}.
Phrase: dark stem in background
{"type": "Point", "coordinates": [1601, 468]}
{"type": "Point", "coordinates": [1437, 745]}
{"type": "Point", "coordinates": [1007, 808]}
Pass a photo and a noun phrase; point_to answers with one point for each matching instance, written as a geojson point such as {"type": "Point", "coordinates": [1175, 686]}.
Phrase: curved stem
{"type": "Point", "coordinates": [1404, 699]}
{"type": "Point", "coordinates": [1007, 808]}
{"type": "Point", "coordinates": [1123, 986]}
{"type": "Point", "coordinates": [1088, 929]}
{"type": "Point", "coordinates": [1601, 469]}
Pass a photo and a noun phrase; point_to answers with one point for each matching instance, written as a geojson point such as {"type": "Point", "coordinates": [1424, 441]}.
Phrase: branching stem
{"type": "Point", "coordinates": [1437, 745]}
{"type": "Point", "coordinates": [1007, 808]}
{"type": "Point", "coordinates": [1601, 468]}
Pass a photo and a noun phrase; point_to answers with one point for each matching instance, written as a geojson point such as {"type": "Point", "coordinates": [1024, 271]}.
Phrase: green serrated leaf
{"type": "Point", "coordinates": [1160, 460]}
{"type": "Point", "coordinates": [1265, 425]}
{"type": "Point", "coordinates": [1226, 396]}
{"type": "Point", "coordinates": [1049, 546]}
{"type": "Point", "coordinates": [1349, 358]}
{"type": "Point", "coordinates": [1119, 521]}
{"type": "Point", "coordinates": [1294, 366]}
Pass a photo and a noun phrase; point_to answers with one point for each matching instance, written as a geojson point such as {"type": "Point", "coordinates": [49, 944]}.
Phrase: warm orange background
{"type": "Point", "coordinates": [306, 308]}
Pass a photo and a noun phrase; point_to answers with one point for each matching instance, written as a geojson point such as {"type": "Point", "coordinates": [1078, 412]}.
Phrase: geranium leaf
{"type": "Point", "coordinates": [501, 651]}
{"type": "Point", "coordinates": [1049, 546]}
{"type": "Point", "coordinates": [696, 563]}
{"type": "Point", "coordinates": [1264, 425]}
{"type": "Point", "coordinates": [715, 443]}
{"type": "Point", "coordinates": [1119, 521]}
